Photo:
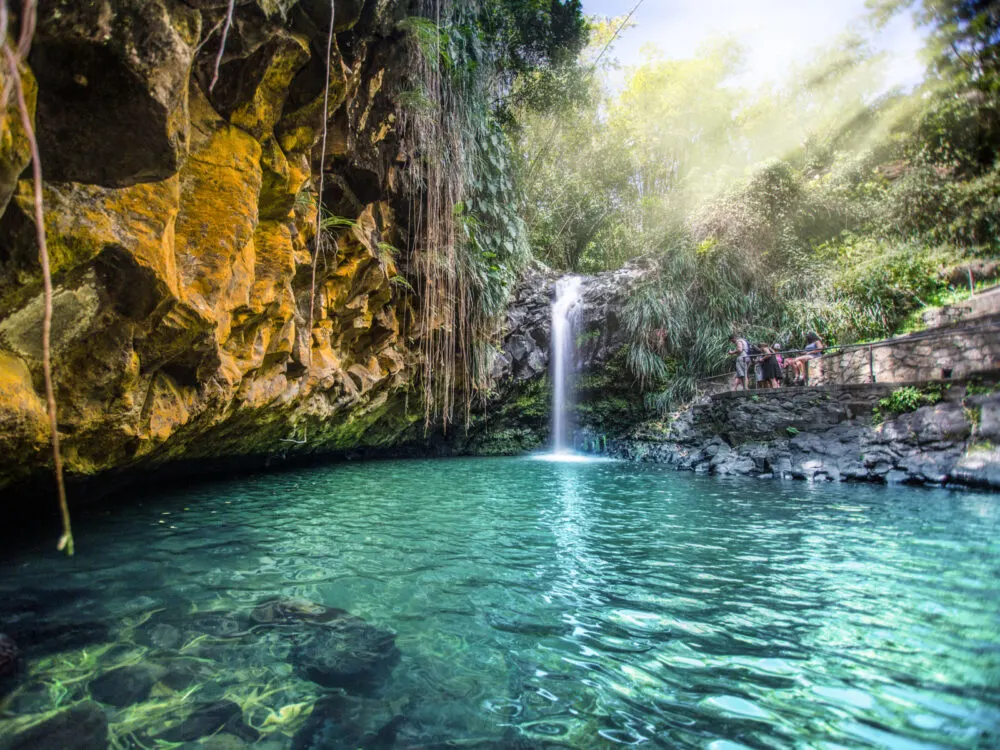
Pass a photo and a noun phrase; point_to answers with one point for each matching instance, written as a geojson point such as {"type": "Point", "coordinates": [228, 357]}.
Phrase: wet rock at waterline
{"type": "Point", "coordinates": [220, 717]}
{"type": "Point", "coordinates": [826, 433]}
{"type": "Point", "coordinates": [83, 727]}
{"type": "Point", "coordinates": [125, 685]}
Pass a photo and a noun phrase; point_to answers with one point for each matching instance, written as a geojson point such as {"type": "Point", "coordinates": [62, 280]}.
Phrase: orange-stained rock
{"type": "Point", "coordinates": [112, 100]}
{"type": "Point", "coordinates": [83, 220]}
{"type": "Point", "coordinates": [274, 268]}
{"type": "Point", "coordinates": [218, 214]}
{"type": "Point", "coordinates": [182, 275]}
{"type": "Point", "coordinates": [24, 426]}
{"type": "Point", "coordinates": [15, 153]}
{"type": "Point", "coordinates": [263, 82]}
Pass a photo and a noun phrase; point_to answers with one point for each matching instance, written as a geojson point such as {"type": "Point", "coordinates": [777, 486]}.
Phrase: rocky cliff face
{"type": "Point", "coordinates": [515, 418]}
{"type": "Point", "coordinates": [829, 434]}
{"type": "Point", "coordinates": [181, 229]}
{"type": "Point", "coordinates": [823, 433]}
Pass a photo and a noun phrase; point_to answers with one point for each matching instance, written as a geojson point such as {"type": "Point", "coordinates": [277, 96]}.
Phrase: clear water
{"type": "Point", "coordinates": [565, 604]}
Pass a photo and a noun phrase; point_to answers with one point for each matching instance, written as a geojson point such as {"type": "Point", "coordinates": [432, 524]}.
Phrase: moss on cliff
{"type": "Point", "coordinates": [182, 255]}
{"type": "Point", "coordinates": [517, 419]}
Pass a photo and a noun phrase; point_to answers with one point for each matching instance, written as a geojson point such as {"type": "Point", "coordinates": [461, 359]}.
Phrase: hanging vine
{"type": "Point", "coordinates": [222, 44]}
{"type": "Point", "coordinates": [319, 240]}
{"type": "Point", "coordinates": [468, 242]}
{"type": "Point", "coordinates": [12, 83]}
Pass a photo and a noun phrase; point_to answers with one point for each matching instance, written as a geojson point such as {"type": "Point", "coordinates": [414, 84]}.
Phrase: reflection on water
{"type": "Point", "coordinates": [552, 604]}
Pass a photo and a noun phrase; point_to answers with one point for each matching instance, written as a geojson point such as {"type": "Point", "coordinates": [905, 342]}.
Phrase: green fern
{"type": "Point", "coordinates": [331, 221]}
{"type": "Point", "coordinates": [400, 282]}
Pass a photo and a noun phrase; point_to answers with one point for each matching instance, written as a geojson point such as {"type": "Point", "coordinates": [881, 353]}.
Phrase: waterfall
{"type": "Point", "coordinates": [564, 312]}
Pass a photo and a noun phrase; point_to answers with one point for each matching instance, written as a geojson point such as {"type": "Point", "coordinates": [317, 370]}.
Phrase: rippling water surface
{"type": "Point", "coordinates": [546, 604]}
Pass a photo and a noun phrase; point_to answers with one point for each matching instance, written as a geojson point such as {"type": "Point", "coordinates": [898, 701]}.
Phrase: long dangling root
{"type": "Point", "coordinates": [222, 45]}
{"type": "Point", "coordinates": [319, 195]}
{"type": "Point", "coordinates": [12, 62]}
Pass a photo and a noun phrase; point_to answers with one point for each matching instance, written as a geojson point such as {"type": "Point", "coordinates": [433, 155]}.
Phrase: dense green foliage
{"type": "Point", "coordinates": [822, 205]}
{"type": "Point", "coordinates": [467, 240]}
{"type": "Point", "coordinates": [906, 399]}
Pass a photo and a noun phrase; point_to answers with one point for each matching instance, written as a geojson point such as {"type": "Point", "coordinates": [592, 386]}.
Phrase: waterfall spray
{"type": "Point", "coordinates": [564, 312]}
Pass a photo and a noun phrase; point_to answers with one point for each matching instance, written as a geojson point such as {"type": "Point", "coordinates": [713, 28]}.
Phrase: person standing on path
{"type": "Point", "coordinates": [742, 352]}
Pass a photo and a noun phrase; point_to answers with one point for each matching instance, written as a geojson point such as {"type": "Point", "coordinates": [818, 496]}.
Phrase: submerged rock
{"type": "Point", "coordinates": [219, 624]}
{"type": "Point", "coordinates": [339, 721]}
{"type": "Point", "coordinates": [9, 656]}
{"type": "Point", "coordinates": [125, 685]}
{"type": "Point", "coordinates": [352, 655]}
{"type": "Point", "coordinates": [182, 673]}
{"type": "Point", "coordinates": [332, 647]}
{"type": "Point", "coordinates": [10, 664]}
{"type": "Point", "coordinates": [83, 727]}
{"type": "Point", "coordinates": [209, 719]}
{"type": "Point", "coordinates": [288, 611]}
{"type": "Point", "coordinates": [40, 639]}
{"type": "Point", "coordinates": [162, 636]}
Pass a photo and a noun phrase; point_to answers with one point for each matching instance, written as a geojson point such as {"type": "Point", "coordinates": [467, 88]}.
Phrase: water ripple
{"type": "Point", "coordinates": [581, 605]}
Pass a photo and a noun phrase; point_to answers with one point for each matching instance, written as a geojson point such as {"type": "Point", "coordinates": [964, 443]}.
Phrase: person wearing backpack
{"type": "Point", "coordinates": [742, 352]}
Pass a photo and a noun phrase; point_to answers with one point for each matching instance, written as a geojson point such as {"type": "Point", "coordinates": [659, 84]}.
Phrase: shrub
{"type": "Point", "coordinates": [906, 399]}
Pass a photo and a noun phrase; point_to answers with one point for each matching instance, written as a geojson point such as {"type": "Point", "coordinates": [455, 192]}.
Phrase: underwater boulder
{"type": "Point", "coordinates": [332, 647]}
{"type": "Point", "coordinates": [289, 611]}
{"type": "Point", "coordinates": [347, 653]}
{"type": "Point", "coordinates": [219, 624]}
{"type": "Point", "coordinates": [159, 635]}
{"type": "Point", "coordinates": [10, 663]}
{"type": "Point", "coordinates": [83, 727]}
{"type": "Point", "coordinates": [208, 719]}
{"type": "Point", "coordinates": [182, 673]}
{"type": "Point", "coordinates": [125, 685]}
{"type": "Point", "coordinates": [9, 656]}
{"type": "Point", "coordinates": [41, 640]}
{"type": "Point", "coordinates": [341, 721]}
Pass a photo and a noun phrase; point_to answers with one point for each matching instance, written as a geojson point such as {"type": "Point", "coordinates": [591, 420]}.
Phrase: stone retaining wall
{"type": "Point", "coordinates": [980, 305]}
{"type": "Point", "coordinates": [949, 352]}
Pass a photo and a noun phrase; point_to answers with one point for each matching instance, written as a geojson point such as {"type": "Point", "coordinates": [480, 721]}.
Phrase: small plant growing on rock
{"type": "Point", "coordinates": [906, 399]}
{"type": "Point", "coordinates": [792, 431]}
{"type": "Point", "coordinates": [978, 388]}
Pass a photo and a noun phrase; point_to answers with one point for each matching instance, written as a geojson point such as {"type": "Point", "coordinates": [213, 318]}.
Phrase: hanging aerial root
{"type": "Point", "coordinates": [319, 195]}
{"type": "Point", "coordinates": [11, 62]}
{"type": "Point", "coordinates": [222, 45]}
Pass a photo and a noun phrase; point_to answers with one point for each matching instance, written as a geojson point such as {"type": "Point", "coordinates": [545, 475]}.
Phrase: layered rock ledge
{"type": "Point", "coordinates": [829, 433]}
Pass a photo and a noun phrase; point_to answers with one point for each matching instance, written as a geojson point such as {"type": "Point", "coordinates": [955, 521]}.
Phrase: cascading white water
{"type": "Point", "coordinates": [564, 313]}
